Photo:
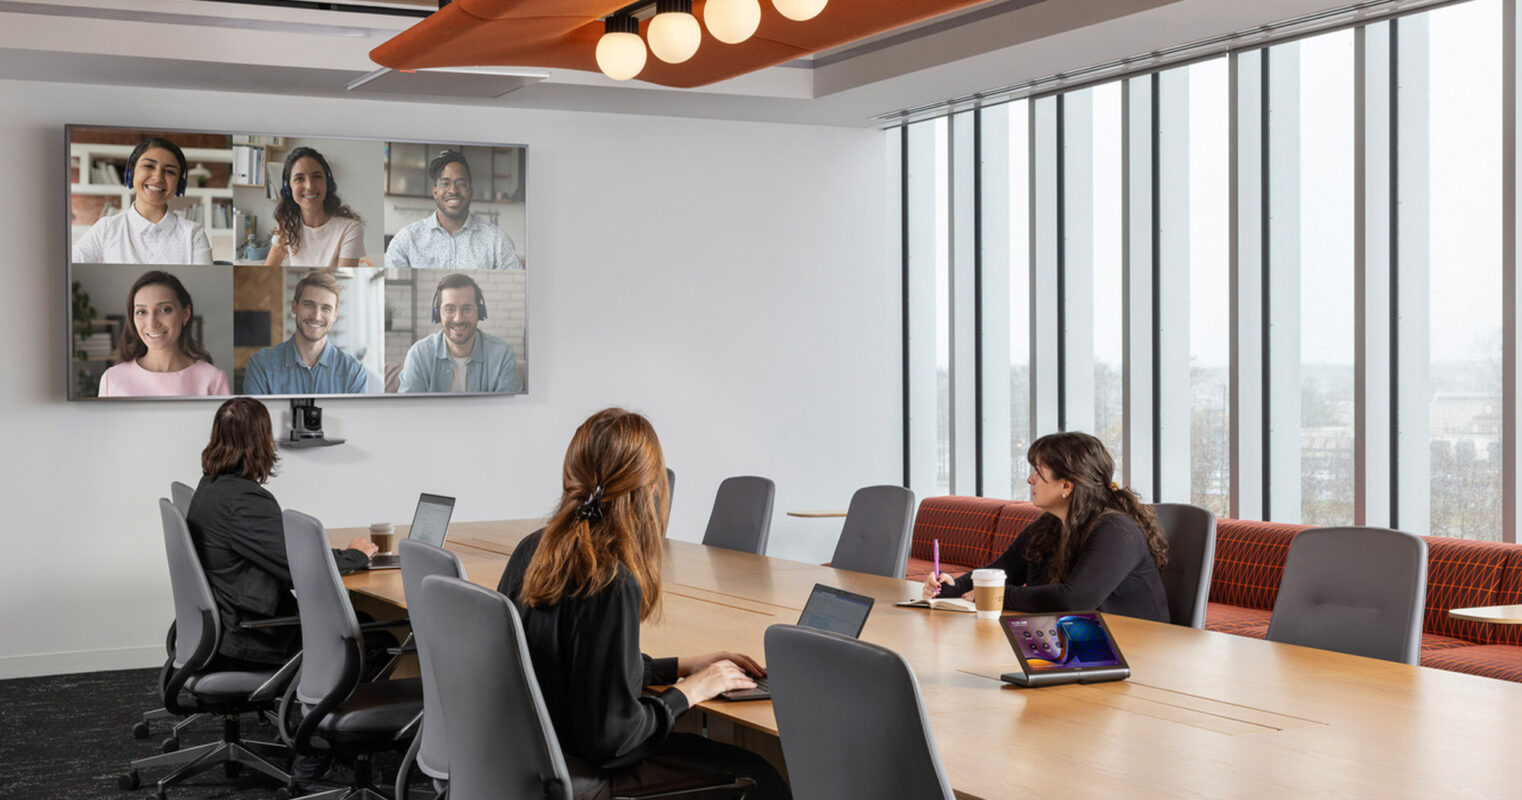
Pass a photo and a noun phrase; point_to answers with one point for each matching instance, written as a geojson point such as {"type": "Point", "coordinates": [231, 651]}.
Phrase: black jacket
{"type": "Point", "coordinates": [236, 526]}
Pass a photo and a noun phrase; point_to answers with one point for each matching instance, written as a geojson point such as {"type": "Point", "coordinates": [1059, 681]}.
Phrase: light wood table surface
{"type": "Point", "coordinates": [1501, 615]}
{"type": "Point", "coordinates": [1204, 715]}
{"type": "Point", "coordinates": [817, 514]}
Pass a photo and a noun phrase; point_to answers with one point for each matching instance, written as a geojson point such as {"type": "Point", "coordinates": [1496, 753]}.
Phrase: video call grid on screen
{"type": "Point", "coordinates": [413, 222]}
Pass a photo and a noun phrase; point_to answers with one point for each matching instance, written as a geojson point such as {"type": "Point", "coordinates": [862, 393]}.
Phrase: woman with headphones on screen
{"type": "Point", "coordinates": [313, 226]}
{"type": "Point", "coordinates": [1096, 547]}
{"type": "Point", "coordinates": [157, 354]}
{"type": "Point", "coordinates": [583, 584]}
{"type": "Point", "coordinates": [148, 232]}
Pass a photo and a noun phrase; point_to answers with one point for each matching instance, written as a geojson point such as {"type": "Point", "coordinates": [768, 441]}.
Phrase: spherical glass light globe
{"type": "Point", "coordinates": [732, 21]}
{"type": "Point", "coordinates": [799, 10]}
{"type": "Point", "coordinates": [620, 56]}
{"type": "Point", "coordinates": [674, 36]}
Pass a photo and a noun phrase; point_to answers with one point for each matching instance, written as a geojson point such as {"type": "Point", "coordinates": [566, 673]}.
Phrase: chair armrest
{"type": "Point", "coordinates": [272, 688]}
{"type": "Point", "coordinates": [272, 622]}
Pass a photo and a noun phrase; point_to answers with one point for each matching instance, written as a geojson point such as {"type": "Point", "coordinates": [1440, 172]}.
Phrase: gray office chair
{"type": "Point", "coordinates": [742, 514]}
{"type": "Point", "coordinates": [1353, 590]}
{"type": "Point", "coordinates": [876, 533]}
{"type": "Point", "coordinates": [428, 751]}
{"type": "Point", "coordinates": [340, 715]}
{"type": "Point", "coordinates": [851, 718]}
{"type": "Point", "coordinates": [671, 484]}
{"type": "Point", "coordinates": [1190, 531]}
{"type": "Point", "coordinates": [180, 495]}
{"type": "Point", "coordinates": [225, 693]}
{"type": "Point", "coordinates": [499, 734]}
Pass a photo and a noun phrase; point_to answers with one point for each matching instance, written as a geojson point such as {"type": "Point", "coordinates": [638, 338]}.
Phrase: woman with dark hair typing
{"type": "Point", "coordinates": [1096, 547]}
{"type": "Point", "coordinates": [583, 585]}
{"type": "Point", "coordinates": [236, 525]}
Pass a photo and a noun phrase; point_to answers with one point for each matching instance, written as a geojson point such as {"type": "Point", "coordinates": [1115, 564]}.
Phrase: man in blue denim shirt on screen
{"type": "Point", "coordinates": [307, 363]}
{"type": "Point", "coordinates": [459, 357]}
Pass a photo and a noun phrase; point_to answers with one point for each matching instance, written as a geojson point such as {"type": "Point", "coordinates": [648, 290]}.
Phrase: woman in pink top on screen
{"type": "Point", "coordinates": [313, 226]}
{"type": "Point", "coordinates": [157, 353]}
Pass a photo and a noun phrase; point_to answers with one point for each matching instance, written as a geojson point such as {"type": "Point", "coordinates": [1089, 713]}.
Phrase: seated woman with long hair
{"type": "Point", "coordinates": [1096, 547]}
{"type": "Point", "coordinates": [313, 226]}
{"type": "Point", "coordinates": [157, 353]}
{"type": "Point", "coordinates": [583, 584]}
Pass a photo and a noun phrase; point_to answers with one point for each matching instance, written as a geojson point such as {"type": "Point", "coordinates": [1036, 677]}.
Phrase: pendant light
{"type": "Point", "coordinates": [620, 51]}
{"type": "Point", "coordinates": [732, 21]}
{"type": "Point", "coordinates": [674, 32]}
{"type": "Point", "coordinates": [799, 10]}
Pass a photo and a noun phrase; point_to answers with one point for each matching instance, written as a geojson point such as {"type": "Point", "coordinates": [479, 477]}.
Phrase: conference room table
{"type": "Point", "coordinates": [1204, 714]}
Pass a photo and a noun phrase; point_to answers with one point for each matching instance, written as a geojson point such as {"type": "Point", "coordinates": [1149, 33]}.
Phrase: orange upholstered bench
{"type": "Point", "coordinates": [1249, 561]}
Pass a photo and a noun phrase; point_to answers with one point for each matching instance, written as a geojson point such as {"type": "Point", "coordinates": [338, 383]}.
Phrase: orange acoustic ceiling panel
{"type": "Point", "coordinates": [563, 34]}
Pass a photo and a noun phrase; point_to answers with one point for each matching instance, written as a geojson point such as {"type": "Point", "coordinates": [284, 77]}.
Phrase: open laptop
{"type": "Point", "coordinates": [828, 609]}
{"type": "Point", "coordinates": [1071, 647]}
{"type": "Point", "coordinates": [429, 523]}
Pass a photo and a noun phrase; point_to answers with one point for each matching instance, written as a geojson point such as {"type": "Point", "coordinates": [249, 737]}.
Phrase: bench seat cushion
{"type": "Point", "coordinates": [1502, 661]}
{"type": "Point", "coordinates": [1462, 573]}
{"type": "Point", "coordinates": [1252, 622]}
{"type": "Point", "coordinates": [1249, 561]}
{"type": "Point", "coordinates": [964, 526]}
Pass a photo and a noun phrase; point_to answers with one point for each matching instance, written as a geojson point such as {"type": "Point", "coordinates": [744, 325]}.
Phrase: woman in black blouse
{"type": "Point", "coordinates": [583, 584]}
{"type": "Point", "coordinates": [1097, 545]}
{"type": "Point", "coordinates": [240, 537]}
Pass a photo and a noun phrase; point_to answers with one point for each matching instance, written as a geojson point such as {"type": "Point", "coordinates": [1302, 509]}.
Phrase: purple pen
{"type": "Point", "coordinates": [936, 575]}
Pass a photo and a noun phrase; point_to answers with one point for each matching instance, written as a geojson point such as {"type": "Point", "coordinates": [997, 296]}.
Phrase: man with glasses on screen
{"type": "Point", "coordinates": [459, 357]}
{"type": "Point", "coordinates": [451, 237]}
{"type": "Point", "coordinates": [307, 363]}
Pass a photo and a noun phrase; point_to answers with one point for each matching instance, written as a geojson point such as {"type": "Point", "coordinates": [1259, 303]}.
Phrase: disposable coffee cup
{"type": "Point", "coordinates": [383, 536]}
{"type": "Point", "coordinates": [988, 592]}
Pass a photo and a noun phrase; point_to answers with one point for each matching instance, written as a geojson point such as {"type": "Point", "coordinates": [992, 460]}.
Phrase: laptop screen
{"type": "Point", "coordinates": [431, 519]}
{"type": "Point", "coordinates": [1049, 642]}
{"type": "Point", "coordinates": [835, 610]}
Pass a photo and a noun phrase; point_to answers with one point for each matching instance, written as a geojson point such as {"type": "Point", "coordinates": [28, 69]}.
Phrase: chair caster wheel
{"type": "Point", "coordinates": [140, 730]}
{"type": "Point", "coordinates": [128, 781]}
{"type": "Point", "coordinates": [170, 745]}
{"type": "Point", "coordinates": [232, 769]}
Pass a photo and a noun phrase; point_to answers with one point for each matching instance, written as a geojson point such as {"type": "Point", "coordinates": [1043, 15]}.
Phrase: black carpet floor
{"type": "Point", "coordinates": [69, 737]}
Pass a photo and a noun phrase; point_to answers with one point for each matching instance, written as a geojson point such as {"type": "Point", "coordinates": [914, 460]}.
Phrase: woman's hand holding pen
{"type": "Point", "coordinates": [934, 583]}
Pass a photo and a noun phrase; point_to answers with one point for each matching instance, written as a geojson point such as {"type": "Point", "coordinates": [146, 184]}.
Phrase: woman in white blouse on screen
{"type": "Point", "coordinates": [148, 232]}
{"type": "Point", "coordinates": [313, 226]}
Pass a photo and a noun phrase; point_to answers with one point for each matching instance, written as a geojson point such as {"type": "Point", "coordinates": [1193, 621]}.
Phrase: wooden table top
{"type": "Point", "coordinates": [1204, 715]}
{"type": "Point", "coordinates": [816, 514]}
{"type": "Point", "coordinates": [1501, 615]}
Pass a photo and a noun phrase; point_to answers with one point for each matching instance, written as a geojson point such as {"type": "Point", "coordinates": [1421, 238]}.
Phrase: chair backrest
{"type": "Point", "coordinates": [850, 717]}
{"type": "Point", "coordinates": [1354, 590]}
{"type": "Point", "coordinates": [331, 656]}
{"type": "Point", "coordinates": [180, 494]}
{"type": "Point", "coordinates": [742, 514]}
{"type": "Point", "coordinates": [876, 533]}
{"type": "Point", "coordinates": [419, 560]}
{"type": "Point", "coordinates": [1190, 531]}
{"type": "Point", "coordinates": [197, 627]}
{"type": "Point", "coordinates": [500, 738]}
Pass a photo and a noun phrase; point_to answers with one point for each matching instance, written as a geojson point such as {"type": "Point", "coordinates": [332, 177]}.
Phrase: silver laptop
{"type": "Point", "coordinates": [1069, 647]}
{"type": "Point", "coordinates": [828, 609]}
{"type": "Point", "coordinates": [429, 524]}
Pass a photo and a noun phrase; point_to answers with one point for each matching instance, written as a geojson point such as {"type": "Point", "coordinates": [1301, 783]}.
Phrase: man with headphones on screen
{"type": "Point", "coordinates": [307, 363]}
{"type": "Point", "coordinates": [451, 237]}
{"type": "Point", "coordinates": [459, 357]}
{"type": "Point", "coordinates": [148, 232]}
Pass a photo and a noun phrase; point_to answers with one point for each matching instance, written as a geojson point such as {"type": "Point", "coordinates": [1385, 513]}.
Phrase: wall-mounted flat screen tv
{"type": "Point", "coordinates": [207, 263]}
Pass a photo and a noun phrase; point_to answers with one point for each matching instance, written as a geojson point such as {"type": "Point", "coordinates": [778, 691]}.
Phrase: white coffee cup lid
{"type": "Point", "coordinates": [382, 527]}
{"type": "Point", "coordinates": [988, 576]}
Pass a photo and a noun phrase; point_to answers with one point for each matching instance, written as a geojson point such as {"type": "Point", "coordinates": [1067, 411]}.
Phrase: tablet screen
{"type": "Point", "coordinates": [1047, 642]}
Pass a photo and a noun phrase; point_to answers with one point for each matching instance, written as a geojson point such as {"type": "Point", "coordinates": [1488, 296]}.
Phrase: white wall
{"type": "Point", "coordinates": [730, 280]}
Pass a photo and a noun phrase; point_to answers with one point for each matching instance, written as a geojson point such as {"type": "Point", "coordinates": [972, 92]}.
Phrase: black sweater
{"type": "Point", "coordinates": [1114, 573]}
{"type": "Point", "coordinates": [591, 671]}
{"type": "Point", "coordinates": [240, 537]}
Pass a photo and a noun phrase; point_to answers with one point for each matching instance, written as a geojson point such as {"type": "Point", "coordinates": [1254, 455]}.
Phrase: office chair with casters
{"type": "Point", "coordinates": [180, 495]}
{"type": "Point", "coordinates": [850, 717]}
{"type": "Point", "coordinates": [1190, 531]}
{"type": "Point", "coordinates": [428, 752]}
{"type": "Point", "coordinates": [742, 514]}
{"type": "Point", "coordinates": [500, 737]}
{"type": "Point", "coordinates": [1353, 590]}
{"type": "Point", "coordinates": [224, 693]}
{"type": "Point", "coordinates": [876, 534]}
{"type": "Point", "coordinates": [340, 716]}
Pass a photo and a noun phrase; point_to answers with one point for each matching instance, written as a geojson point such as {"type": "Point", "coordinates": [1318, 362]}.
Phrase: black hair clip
{"type": "Point", "coordinates": [591, 510]}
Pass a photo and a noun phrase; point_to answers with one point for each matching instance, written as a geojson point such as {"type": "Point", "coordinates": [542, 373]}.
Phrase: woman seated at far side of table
{"type": "Point", "coordinates": [1096, 547]}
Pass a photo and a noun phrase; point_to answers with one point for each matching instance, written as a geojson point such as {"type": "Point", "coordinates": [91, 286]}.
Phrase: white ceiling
{"type": "Point", "coordinates": [197, 44]}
